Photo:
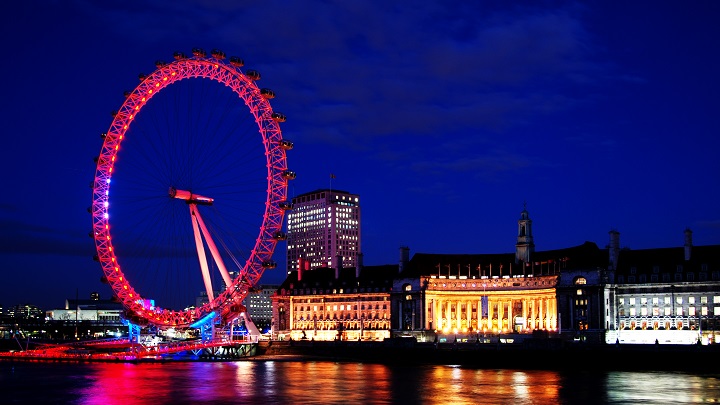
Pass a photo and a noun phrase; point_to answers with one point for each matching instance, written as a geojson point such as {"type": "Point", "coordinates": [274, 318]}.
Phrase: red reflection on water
{"type": "Point", "coordinates": [310, 383]}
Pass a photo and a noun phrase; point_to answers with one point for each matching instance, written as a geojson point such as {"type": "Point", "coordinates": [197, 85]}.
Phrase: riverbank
{"type": "Point", "coordinates": [532, 354]}
{"type": "Point", "coordinates": [541, 354]}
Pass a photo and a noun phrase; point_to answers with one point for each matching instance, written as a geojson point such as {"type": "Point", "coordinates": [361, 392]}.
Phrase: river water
{"type": "Point", "coordinates": [327, 382]}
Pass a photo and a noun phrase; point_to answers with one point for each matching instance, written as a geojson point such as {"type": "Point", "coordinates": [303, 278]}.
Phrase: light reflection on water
{"type": "Point", "coordinates": [324, 382]}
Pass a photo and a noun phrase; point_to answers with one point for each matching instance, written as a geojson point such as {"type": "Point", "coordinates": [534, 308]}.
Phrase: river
{"type": "Point", "coordinates": [328, 382]}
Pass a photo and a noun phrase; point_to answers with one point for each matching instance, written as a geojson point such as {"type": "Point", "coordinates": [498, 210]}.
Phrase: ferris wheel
{"type": "Point", "coordinates": [190, 191]}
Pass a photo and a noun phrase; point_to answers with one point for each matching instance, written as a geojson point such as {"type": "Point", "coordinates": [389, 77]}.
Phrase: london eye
{"type": "Point", "coordinates": [190, 191]}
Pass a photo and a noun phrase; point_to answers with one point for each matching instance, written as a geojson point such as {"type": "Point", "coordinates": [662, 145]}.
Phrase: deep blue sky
{"type": "Point", "coordinates": [443, 116]}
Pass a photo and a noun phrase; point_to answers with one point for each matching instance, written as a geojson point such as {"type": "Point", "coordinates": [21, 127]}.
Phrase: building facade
{"type": "Point", "coordinates": [584, 293]}
{"type": "Point", "coordinates": [334, 304]}
{"type": "Point", "coordinates": [259, 306]}
{"type": "Point", "coordinates": [467, 296]}
{"type": "Point", "coordinates": [665, 295]}
{"type": "Point", "coordinates": [323, 230]}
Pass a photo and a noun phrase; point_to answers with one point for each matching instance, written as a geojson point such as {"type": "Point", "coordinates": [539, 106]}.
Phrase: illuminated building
{"type": "Point", "coordinates": [334, 304]}
{"type": "Point", "coordinates": [664, 295]}
{"type": "Point", "coordinates": [581, 293]}
{"type": "Point", "coordinates": [259, 306]}
{"type": "Point", "coordinates": [323, 230]}
{"type": "Point", "coordinates": [471, 296]}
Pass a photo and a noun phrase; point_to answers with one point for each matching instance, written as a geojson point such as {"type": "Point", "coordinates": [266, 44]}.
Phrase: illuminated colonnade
{"type": "Point", "coordinates": [345, 317]}
{"type": "Point", "coordinates": [521, 304]}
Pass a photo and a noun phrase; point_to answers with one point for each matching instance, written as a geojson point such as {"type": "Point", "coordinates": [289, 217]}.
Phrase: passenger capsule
{"type": "Point", "coordinates": [280, 235]}
{"type": "Point", "coordinates": [285, 205]}
{"type": "Point", "coordinates": [278, 117]}
{"type": "Point", "coordinates": [103, 135]}
{"type": "Point", "coordinates": [217, 54]}
{"type": "Point", "coordinates": [237, 62]}
{"type": "Point", "coordinates": [142, 76]}
{"type": "Point", "coordinates": [267, 94]}
{"type": "Point", "coordinates": [179, 56]}
{"type": "Point", "coordinates": [114, 113]}
{"type": "Point", "coordinates": [289, 174]}
{"type": "Point", "coordinates": [252, 75]}
{"type": "Point", "coordinates": [198, 52]}
{"type": "Point", "coordinates": [159, 64]}
{"type": "Point", "coordinates": [285, 144]}
{"type": "Point", "coordinates": [269, 264]}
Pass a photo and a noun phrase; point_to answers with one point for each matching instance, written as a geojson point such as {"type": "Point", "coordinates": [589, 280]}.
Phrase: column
{"type": "Point", "coordinates": [469, 313]}
{"type": "Point", "coordinates": [501, 314]}
{"type": "Point", "coordinates": [490, 313]}
{"type": "Point", "coordinates": [479, 313]}
{"type": "Point", "coordinates": [511, 322]}
{"type": "Point", "coordinates": [458, 314]}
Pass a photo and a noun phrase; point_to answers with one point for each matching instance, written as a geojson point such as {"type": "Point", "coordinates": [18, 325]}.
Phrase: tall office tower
{"type": "Point", "coordinates": [322, 229]}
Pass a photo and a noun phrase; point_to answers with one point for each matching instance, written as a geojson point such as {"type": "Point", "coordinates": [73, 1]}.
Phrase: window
{"type": "Point", "coordinates": [643, 300]}
{"type": "Point", "coordinates": [655, 301]}
{"type": "Point", "coordinates": [632, 300]}
{"type": "Point", "coordinates": [679, 268]}
{"type": "Point", "coordinates": [691, 300]}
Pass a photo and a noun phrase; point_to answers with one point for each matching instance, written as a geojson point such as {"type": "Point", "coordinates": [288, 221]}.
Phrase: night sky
{"type": "Point", "coordinates": [446, 117]}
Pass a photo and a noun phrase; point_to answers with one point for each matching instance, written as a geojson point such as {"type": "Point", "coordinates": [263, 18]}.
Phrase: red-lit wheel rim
{"type": "Point", "coordinates": [269, 137]}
